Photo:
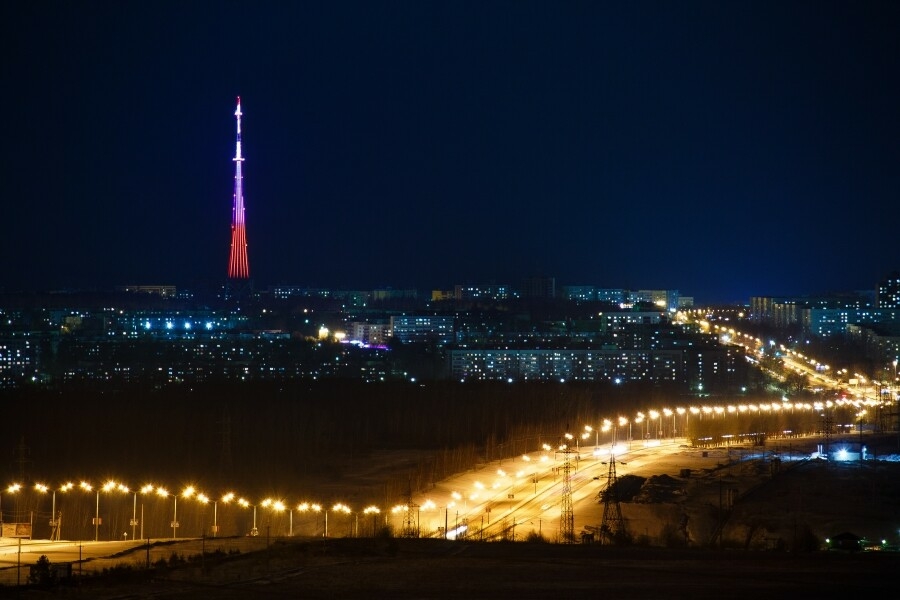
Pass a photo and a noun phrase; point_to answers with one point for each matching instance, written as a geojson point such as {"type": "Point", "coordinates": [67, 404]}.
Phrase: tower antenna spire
{"type": "Point", "coordinates": [238, 265]}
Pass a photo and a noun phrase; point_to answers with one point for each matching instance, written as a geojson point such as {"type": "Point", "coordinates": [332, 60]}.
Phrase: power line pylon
{"type": "Point", "coordinates": [567, 513]}
{"type": "Point", "coordinates": [827, 425]}
{"type": "Point", "coordinates": [410, 528]}
{"type": "Point", "coordinates": [612, 527]}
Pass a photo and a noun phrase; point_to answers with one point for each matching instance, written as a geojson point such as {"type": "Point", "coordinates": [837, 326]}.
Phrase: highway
{"type": "Point", "coordinates": [515, 497]}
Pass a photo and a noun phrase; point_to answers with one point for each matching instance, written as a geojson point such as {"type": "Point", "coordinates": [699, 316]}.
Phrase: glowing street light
{"type": "Point", "coordinates": [225, 500]}
{"type": "Point", "coordinates": [375, 511]}
{"type": "Point", "coordinates": [340, 507]}
{"type": "Point", "coordinates": [192, 492]}
{"type": "Point", "coordinates": [54, 520]}
{"type": "Point", "coordinates": [639, 418]}
{"type": "Point", "coordinates": [314, 507]}
{"type": "Point", "coordinates": [43, 489]}
{"type": "Point", "coordinates": [279, 507]}
{"type": "Point", "coordinates": [164, 493]}
{"type": "Point", "coordinates": [84, 485]}
{"type": "Point", "coordinates": [146, 489]}
{"type": "Point", "coordinates": [107, 487]}
{"type": "Point", "coordinates": [267, 502]}
{"type": "Point", "coordinates": [11, 489]}
{"type": "Point", "coordinates": [204, 500]}
{"type": "Point", "coordinates": [253, 532]}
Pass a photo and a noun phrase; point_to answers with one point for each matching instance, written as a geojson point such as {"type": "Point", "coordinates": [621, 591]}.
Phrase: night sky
{"type": "Point", "coordinates": [724, 149]}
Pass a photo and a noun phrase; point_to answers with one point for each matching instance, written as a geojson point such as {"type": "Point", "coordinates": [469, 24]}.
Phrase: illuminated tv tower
{"type": "Point", "coordinates": [238, 266]}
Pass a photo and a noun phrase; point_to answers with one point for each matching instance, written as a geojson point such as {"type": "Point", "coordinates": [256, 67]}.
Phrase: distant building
{"type": "Point", "coordinates": [880, 342]}
{"type": "Point", "coordinates": [697, 368]}
{"type": "Point", "coordinates": [831, 321]}
{"type": "Point", "coordinates": [436, 329]}
{"type": "Point", "coordinates": [685, 302]}
{"type": "Point", "coordinates": [820, 315]}
{"type": "Point", "coordinates": [888, 293]}
{"type": "Point", "coordinates": [391, 294]}
{"type": "Point", "coordinates": [665, 299]}
{"type": "Point", "coordinates": [165, 291]}
{"type": "Point", "coordinates": [355, 298]}
{"type": "Point", "coordinates": [592, 293]}
{"type": "Point", "coordinates": [611, 295]}
{"type": "Point", "coordinates": [483, 292]}
{"type": "Point", "coordinates": [18, 358]}
{"type": "Point", "coordinates": [369, 333]}
{"type": "Point", "coordinates": [442, 295]}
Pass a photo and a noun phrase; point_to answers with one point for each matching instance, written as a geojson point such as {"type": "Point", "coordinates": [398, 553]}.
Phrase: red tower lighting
{"type": "Point", "coordinates": [238, 266]}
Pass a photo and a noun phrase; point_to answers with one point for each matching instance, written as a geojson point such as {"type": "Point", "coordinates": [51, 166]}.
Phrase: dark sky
{"type": "Point", "coordinates": [724, 149]}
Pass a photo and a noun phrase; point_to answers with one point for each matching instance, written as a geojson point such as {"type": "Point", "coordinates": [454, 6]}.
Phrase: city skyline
{"type": "Point", "coordinates": [724, 151]}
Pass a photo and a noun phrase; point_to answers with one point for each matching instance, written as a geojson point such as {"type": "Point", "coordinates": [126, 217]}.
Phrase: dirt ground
{"type": "Point", "coordinates": [440, 569]}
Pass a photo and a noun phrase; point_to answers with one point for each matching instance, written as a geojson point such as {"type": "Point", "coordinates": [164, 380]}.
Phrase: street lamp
{"type": "Point", "coordinates": [164, 493]}
{"type": "Point", "coordinates": [375, 511]}
{"type": "Point", "coordinates": [54, 520]}
{"type": "Point", "coordinates": [12, 489]}
{"type": "Point", "coordinates": [89, 488]}
{"type": "Point", "coordinates": [279, 507]}
{"type": "Point", "coordinates": [640, 419]}
{"type": "Point", "coordinates": [253, 532]}
{"type": "Point", "coordinates": [124, 489]}
{"type": "Point", "coordinates": [225, 500]}
{"type": "Point", "coordinates": [43, 489]}
{"type": "Point", "coordinates": [134, 520]}
{"type": "Point", "coordinates": [107, 487]}
{"type": "Point", "coordinates": [654, 429]}
{"type": "Point", "coordinates": [192, 492]}
{"type": "Point", "coordinates": [121, 487]}
{"type": "Point", "coordinates": [146, 489]}
{"type": "Point", "coordinates": [204, 500]}
{"type": "Point", "coordinates": [302, 507]}
{"type": "Point", "coordinates": [340, 507]}
{"type": "Point", "coordinates": [317, 508]}
{"type": "Point", "coordinates": [84, 485]}
{"type": "Point", "coordinates": [622, 423]}
{"type": "Point", "coordinates": [607, 426]}
{"type": "Point", "coordinates": [267, 502]}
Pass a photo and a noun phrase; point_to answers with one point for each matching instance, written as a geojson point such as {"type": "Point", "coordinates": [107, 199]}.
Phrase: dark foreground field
{"type": "Point", "coordinates": [438, 569]}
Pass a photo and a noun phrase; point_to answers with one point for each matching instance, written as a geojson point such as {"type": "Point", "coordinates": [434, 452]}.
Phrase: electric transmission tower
{"type": "Point", "coordinates": [612, 527]}
{"type": "Point", "coordinates": [410, 528]}
{"type": "Point", "coordinates": [567, 514]}
{"type": "Point", "coordinates": [827, 425]}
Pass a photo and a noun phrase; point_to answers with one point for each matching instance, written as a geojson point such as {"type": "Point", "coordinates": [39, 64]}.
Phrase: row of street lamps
{"type": "Point", "coordinates": [190, 492]}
